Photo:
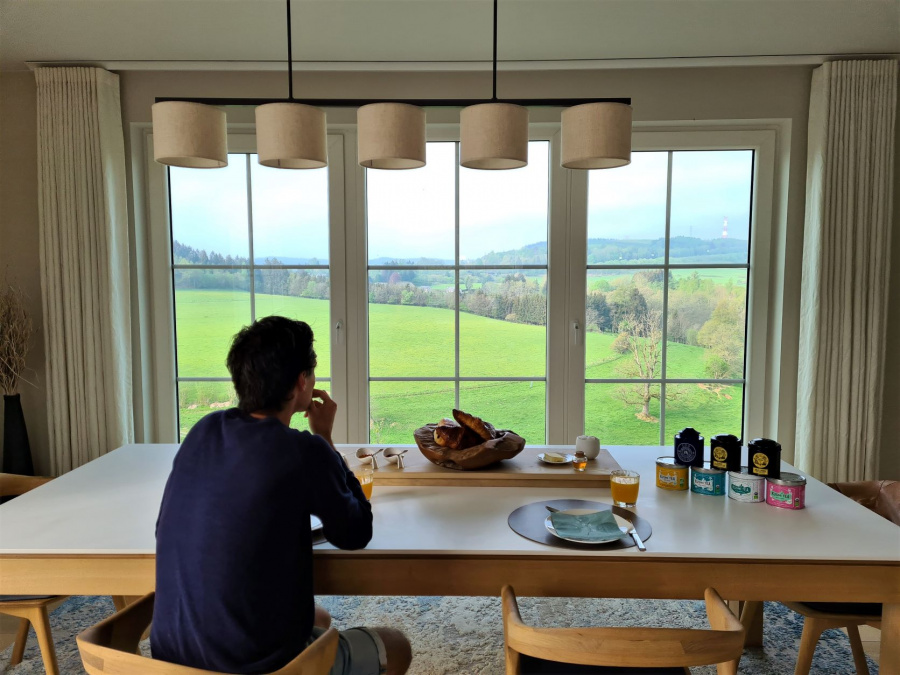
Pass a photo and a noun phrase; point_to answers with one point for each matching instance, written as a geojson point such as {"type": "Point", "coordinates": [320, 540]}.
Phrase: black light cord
{"type": "Point", "coordinates": [290, 55]}
{"type": "Point", "coordinates": [494, 96]}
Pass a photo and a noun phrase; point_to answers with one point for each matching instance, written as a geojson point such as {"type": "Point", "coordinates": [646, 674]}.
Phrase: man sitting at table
{"type": "Point", "coordinates": [234, 584]}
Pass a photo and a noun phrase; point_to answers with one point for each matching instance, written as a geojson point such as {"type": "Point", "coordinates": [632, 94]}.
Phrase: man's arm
{"type": "Point", "coordinates": [339, 500]}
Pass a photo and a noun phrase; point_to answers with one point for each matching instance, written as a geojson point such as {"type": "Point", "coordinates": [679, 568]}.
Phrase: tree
{"type": "Point", "coordinates": [597, 312]}
{"type": "Point", "coordinates": [723, 336]}
{"type": "Point", "coordinates": [641, 338]}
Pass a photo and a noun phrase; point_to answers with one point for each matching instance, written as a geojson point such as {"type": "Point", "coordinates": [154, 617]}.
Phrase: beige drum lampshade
{"type": "Point", "coordinates": [391, 136]}
{"type": "Point", "coordinates": [596, 136]}
{"type": "Point", "coordinates": [291, 136]}
{"type": "Point", "coordinates": [493, 136]}
{"type": "Point", "coordinates": [191, 135]}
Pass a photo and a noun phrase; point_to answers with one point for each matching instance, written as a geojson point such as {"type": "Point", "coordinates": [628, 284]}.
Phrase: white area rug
{"type": "Point", "coordinates": [453, 635]}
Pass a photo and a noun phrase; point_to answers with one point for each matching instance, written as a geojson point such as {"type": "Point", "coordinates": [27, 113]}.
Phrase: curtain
{"type": "Point", "coordinates": [84, 263]}
{"type": "Point", "coordinates": [846, 265]}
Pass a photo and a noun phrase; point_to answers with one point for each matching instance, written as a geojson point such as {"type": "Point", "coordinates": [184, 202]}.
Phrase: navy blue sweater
{"type": "Point", "coordinates": [234, 581]}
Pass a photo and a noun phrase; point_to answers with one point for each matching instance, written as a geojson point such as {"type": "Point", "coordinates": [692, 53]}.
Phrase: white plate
{"type": "Point", "coordinates": [624, 525]}
{"type": "Point", "coordinates": [568, 457]}
{"type": "Point", "coordinates": [315, 522]}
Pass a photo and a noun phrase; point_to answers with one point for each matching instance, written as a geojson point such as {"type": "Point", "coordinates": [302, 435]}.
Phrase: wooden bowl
{"type": "Point", "coordinates": [505, 446]}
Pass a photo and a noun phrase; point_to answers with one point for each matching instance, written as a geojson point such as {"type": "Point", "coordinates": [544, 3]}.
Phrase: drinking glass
{"type": "Point", "coordinates": [366, 477]}
{"type": "Point", "coordinates": [624, 486]}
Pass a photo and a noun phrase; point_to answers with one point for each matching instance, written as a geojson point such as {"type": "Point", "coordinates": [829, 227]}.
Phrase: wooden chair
{"type": "Point", "coordinates": [882, 497]}
{"type": "Point", "coordinates": [112, 647]}
{"type": "Point", "coordinates": [622, 650]}
{"type": "Point", "coordinates": [30, 609]}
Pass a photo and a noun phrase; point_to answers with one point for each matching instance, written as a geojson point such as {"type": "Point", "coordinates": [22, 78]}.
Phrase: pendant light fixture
{"type": "Point", "coordinates": [596, 136]}
{"type": "Point", "coordinates": [291, 135]}
{"type": "Point", "coordinates": [190, 135]}
{"type": "Point", "coordinates": [494, 135]}
{"type": "Point", "coordinates": [391, 136]}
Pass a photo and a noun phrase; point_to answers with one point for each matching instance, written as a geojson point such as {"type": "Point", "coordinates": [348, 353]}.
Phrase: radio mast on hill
{"type": "Point", "coordinates": [725, 228]}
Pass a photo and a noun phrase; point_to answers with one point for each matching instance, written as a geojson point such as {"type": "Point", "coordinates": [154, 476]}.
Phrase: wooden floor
{"type": "Point", "coordinates": [871, 637]}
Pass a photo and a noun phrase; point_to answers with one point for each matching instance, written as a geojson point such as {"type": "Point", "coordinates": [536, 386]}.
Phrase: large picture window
{"type": "Point", "coordinates": [248, 241]}
{"type": "Point", "coordinates": [625, 303]}
{"type": "Point", "coordinates": [668, 254]}
{"type": "Point", "coordinates": [457, 294]}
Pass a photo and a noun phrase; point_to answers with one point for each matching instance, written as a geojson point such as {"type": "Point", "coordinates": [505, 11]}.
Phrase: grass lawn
{"type": "Point", "coordinates": [418, 342]}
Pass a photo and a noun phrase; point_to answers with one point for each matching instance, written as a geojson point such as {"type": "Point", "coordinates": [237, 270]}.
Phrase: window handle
{"type": "Point", "coordinates": [339, 332]}
{"type": "Point", "coordinates": [576, 333]}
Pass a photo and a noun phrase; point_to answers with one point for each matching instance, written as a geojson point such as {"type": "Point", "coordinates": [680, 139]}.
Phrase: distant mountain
{"type": "Point", "coordinates": [599, 252]}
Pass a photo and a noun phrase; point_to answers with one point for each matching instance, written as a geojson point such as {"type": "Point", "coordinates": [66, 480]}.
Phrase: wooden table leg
{"type": "Point", "coordinates": [889, 659]}
{"type": "Point", "coordinates": [752, 619]}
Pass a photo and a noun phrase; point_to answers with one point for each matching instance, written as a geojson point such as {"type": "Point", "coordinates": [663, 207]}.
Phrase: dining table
{"type": "Point", "coordinates": [439, 531]}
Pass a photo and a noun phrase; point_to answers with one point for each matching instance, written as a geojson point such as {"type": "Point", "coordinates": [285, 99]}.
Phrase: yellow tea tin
{"type": "Point", "coordinates": [670, 475]}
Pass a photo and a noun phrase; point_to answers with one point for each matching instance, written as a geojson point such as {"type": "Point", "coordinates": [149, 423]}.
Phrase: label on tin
{"type": "Point", "coordinates": [741, 489]}
{"type": "Point", "coordinates": [783, 497]}
{"type": "Point", "coordinates": [686, 453]}
{"type": "Point", "coordinates": [668, 479]}
{"type": "Point", "coordinates": [711, 485]}
{"type": "Point", "coordinates": [760, 462]}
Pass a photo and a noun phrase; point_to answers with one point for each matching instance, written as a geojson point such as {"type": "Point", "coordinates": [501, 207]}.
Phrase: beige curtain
{"type": "Point", "coordinates": [846, 263]}
{"type": "Point", "coordinates": [84, 263]}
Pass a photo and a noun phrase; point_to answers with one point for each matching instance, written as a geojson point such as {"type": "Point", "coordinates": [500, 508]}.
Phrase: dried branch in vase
{"type": "Point", "coordinates": [15, 337]}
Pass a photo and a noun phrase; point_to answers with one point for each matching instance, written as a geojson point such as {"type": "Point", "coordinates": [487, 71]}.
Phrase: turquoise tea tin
{"type": "Point", "coordinates": [706, 480]}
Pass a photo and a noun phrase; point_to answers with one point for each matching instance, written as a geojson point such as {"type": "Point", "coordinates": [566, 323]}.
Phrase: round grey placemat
{"type": "Point", "coordinates": [528, 521]}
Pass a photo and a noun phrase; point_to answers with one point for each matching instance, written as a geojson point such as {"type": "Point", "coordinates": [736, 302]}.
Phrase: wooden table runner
{"type": "Point", "coordinates": [523, 470]}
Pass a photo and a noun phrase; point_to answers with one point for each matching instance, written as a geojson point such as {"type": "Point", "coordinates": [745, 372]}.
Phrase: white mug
{"type": "Point", "coordinates": [589, 445]}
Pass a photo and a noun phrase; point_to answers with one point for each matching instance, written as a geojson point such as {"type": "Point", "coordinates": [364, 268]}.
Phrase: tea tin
{"type": "Point", "coordinates": [689, 447]}
{"type": "Point", "coordinates": [764, 457]}
{"type": "Point", "coordinates": [787, 492]}
{"type": "Point", "coordinates": [725, 452]}
{"type": "Point", "coordinates": [744, 486]}
{"type": "Point", "coordinates": [670, 475]}
{"type": "Point", "coordinates": [707, 481]}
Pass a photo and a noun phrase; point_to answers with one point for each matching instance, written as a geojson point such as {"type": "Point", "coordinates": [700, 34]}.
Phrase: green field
{"type": "Point", "coordinates": [411, 341]}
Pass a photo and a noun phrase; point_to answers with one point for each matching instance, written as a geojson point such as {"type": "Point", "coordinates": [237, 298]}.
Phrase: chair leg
{"type": "Point", "coordinates": [812, 629]}
{"type": "Point", "coordinates": [513, 666]}
{"type": "Point", "coordinates": [859, 654]}
{"type": "Point", "coordinates": [40, 619]}
{"type": "Point", "coordinates": [19, 645]}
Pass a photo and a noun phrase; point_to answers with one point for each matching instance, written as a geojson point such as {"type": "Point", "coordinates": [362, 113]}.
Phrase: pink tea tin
{"type": "Point", "coordinates": [787, 492]}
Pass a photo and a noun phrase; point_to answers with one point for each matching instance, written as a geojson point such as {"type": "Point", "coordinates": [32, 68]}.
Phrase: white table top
{"type": "Point", "coordinates": [110, 505]}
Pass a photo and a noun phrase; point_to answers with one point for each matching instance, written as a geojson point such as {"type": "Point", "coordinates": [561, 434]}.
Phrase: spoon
{"type": "Point", "coordinates": [395, 456]}
{"type": "Point", "coordinates": [365, 457]}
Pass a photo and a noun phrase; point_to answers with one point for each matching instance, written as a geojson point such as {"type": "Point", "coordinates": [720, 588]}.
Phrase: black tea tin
{"type": "Point", "coordinates": [689, 447]}
{"type": "Point", "coordinates": [764, 457]}
{"type": "Point", "coordinates": [725, 452]}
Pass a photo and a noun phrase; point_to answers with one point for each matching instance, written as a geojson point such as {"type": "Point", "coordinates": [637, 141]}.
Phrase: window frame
{"type": "Point", "coordinates": [763, 143]}
{"type": "Point", "coordinates": [154, 374]}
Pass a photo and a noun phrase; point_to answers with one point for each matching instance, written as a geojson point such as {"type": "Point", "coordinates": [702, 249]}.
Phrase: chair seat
{"type": "Point", "coordinates": [530, 665]}
{"type": "Point", "coordinates": [854, 608]}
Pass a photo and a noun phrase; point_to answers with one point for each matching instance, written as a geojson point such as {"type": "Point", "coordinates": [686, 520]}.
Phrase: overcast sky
{"type": "Point", "coordinates": [412, 213]}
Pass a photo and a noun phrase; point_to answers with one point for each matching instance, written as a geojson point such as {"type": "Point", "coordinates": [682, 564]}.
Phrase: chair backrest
{"type": "Point", "coordinates": [880, 496]}
{"type": "Point", "coordinates": [111, 648]}
{"type": "Point", "coordinates": [13, 485]}
{"type": "Point", "coordinates": [628, 647]}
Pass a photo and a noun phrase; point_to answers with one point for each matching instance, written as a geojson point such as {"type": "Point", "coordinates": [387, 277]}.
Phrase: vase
{"type": "Point", "coordinates": [16, 450]}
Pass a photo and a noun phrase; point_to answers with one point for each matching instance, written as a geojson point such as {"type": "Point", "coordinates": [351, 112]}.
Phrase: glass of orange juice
{"type": "Point", "coordinates": [366, 477]}
{"type": "Point", "coordinates": [624, 486]}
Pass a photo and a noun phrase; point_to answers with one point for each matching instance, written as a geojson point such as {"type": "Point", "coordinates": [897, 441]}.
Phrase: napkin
{"type": "Point", "coordinates": [597, 526]}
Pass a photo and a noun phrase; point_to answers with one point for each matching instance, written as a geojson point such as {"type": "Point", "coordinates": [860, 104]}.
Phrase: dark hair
{"type": "Point", "coordinates": [265, 360]}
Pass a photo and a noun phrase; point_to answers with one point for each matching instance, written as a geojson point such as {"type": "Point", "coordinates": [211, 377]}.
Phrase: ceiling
{"type": "Point", "coordinates": [436, 34]}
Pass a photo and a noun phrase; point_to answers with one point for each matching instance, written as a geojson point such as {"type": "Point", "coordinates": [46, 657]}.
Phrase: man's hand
{"type": "Point", "coordinates": [321, 414]}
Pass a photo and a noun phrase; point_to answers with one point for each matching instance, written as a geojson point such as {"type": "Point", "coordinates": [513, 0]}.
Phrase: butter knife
{"type": "Point", "coordinates": [637, 539]}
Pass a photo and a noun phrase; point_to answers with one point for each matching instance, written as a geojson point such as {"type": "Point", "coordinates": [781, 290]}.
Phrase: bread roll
{"type": "Point", "coordinates": [476, 424]}
{"type": "Point", "coordinates": [449, 436]}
